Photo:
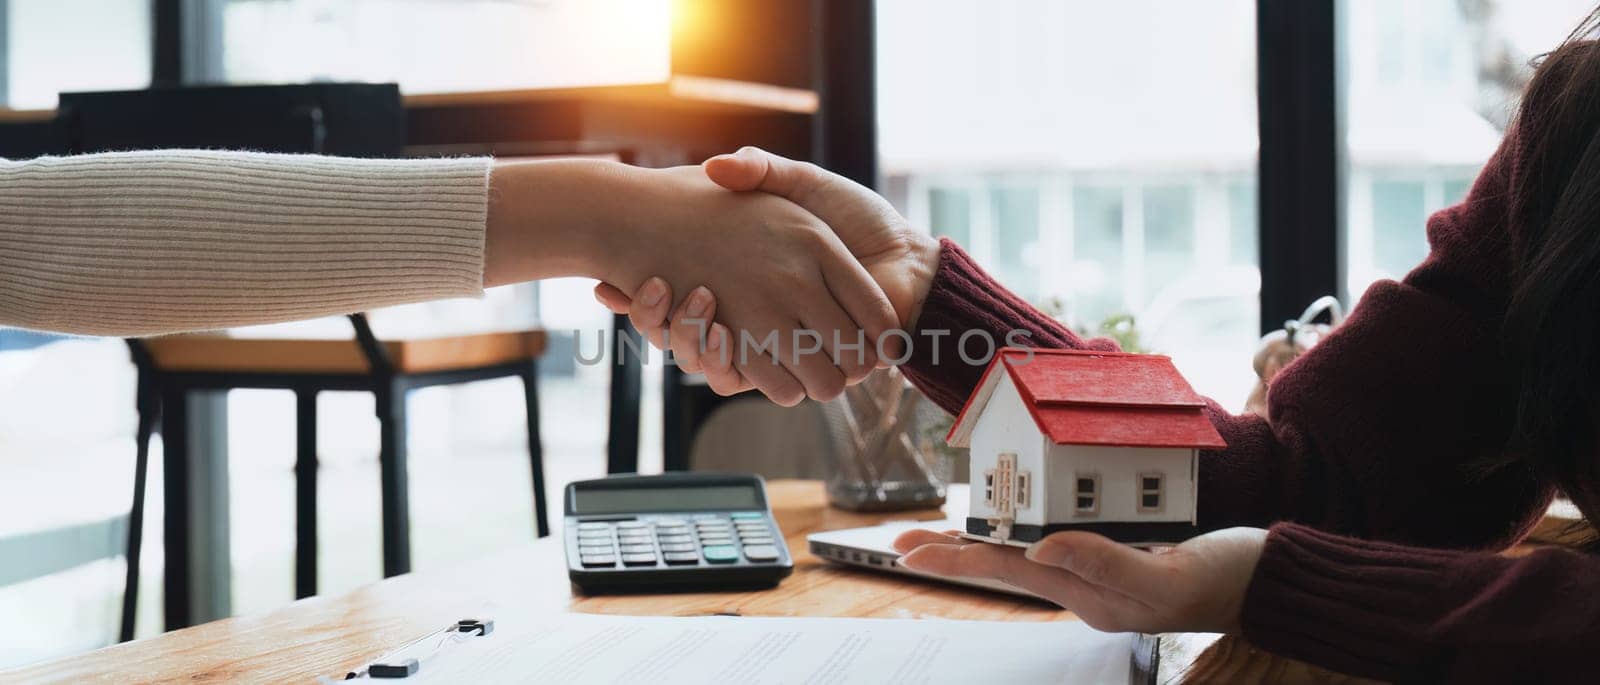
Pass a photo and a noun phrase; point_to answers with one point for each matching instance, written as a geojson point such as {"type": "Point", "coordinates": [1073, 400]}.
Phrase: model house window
{"type": "Point", "coordinates": [988, 488]}
{"type": "Point", "coordinates": [1024, 489]}
{"type": "Point", "coordinates": [1152, 491]}
{"type": "Point", "coordinates": [1088, 494]}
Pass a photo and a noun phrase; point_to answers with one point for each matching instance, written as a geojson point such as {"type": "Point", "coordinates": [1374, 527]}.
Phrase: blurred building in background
{"type": "Point", "coordinates": [1102, 155]}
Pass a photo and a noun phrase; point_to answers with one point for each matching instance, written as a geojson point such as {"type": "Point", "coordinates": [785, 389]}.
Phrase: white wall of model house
{"type": "Point", "coordinates": [1005, 426]}
{"type": "Point", "coordinates": [1118, 473]}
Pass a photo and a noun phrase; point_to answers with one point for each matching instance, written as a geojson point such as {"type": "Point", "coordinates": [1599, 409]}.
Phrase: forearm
{"type": "Point", "coordinates": [962, 298]}
{"type": "Point", "coordinates": [1423, 615]}
{"type": "Point", "coordinates": [149, 243]}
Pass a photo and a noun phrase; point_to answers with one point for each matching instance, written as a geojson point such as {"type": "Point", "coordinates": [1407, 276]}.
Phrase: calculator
{"type": "Point", "coordinates": [672, 532]}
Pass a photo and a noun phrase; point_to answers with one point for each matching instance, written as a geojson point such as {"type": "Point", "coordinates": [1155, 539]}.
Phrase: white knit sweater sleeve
{"type": "Point", "coordinates": [145, 243]}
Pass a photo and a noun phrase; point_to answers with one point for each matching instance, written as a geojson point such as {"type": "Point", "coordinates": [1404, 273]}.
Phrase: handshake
{"type": "Point", "coordinates": [766, 273]}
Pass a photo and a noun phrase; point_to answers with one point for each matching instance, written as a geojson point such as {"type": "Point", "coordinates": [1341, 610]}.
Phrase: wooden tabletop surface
{"type": "Point", "coordinates": [331, 635]}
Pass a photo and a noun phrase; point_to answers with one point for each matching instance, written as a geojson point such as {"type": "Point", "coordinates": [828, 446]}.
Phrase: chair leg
{"type": "Point", "coordinates": [676, 431]}
{"type": "Point", "coordinates": [149, 410]}
{"type": "Point", "coordinates": [627, 376]}
{"type": "Point", "coordinates": [305, 495]}
{"type": "Point", "coordinates": [530, 390]}
{"type": "Point", "coordinates": [177, 548]}
{"type": "Point", "coordinates": [391, 400]}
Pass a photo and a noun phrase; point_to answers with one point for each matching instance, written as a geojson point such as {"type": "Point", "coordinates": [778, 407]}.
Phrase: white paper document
{"type": "Point", "coordinates": [584, 648]}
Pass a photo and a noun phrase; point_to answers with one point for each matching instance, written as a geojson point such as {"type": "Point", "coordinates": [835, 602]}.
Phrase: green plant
{"type": "Point", "coordinates": [1121, 328]}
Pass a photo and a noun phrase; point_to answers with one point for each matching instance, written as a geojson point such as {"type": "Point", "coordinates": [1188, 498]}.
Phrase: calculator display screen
{"type": "Point", "coordinates": [642, 500]}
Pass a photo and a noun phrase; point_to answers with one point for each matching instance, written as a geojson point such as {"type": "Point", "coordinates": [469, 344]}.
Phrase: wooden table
{"type": "Point", "coordinates": [331, 635]}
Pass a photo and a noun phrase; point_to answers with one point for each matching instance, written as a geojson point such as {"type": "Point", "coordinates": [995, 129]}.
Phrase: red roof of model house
{"type": "Point", "coordinates": [1097, 398]}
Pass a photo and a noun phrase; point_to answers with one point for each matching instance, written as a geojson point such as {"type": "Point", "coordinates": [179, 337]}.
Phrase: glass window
{"type": "Point", "coordinates": [1243, 238]}
{"type": "Point", "coordinates": [1095, 273]}
{"type": "Point", "coordinates": [1105, 197]}
{"type": "Point", "coordinates": [1150, 491]}
{"type": "Point", "coordinates": [1169, 240]}
{"type": "Point", "coordinates": [1427, 89]}
{"type": "Point", "coordinates": [55, 46]}
{"type": "Point", "coordinates": [1398, 215]}
{"type": "Point", "coordinates": [429, 46]}
{"type": "Point", "coordinates": [1088, 494]}
{"type": "Point", "coordinates": [1015, 217]}
{"type": "Point", "coordinates": [950, 214]}
{"type": "Point", "coordinates": [1024, 489]}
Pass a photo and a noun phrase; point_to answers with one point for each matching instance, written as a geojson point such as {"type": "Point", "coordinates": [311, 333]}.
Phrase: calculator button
{"type": "Point", "coordinates": [594, 549]}
{"type": "Point", "coordinates": [671, 523]}
{"type": "Point", "coordinates": [667, 539]}
{"type": "Point", "coordinates": [594, 525]}
{"type": "Point", "coordinates": [639, 559]}
{"type": "Point", "coordinates": [681, 557]}
{"type": "Point", "coordinates": [632, 524]}
{"type": "Point", "coordinates": [712, 525]}
{"type": "Point", "coordinates": [721, 554]}
{"type": "Point", "coordinates": [638, 549]}
{"type": "Point", "coordinates": [595, 560]}
{"type": "Point", "coordinates": [673, 530]}
{"type": "Point", "coordinates": [716, 540]}
{"type": "Point", "coordinates": [756, 540]}
{"type": "Point", "coordinates": [677, 547]}
{"type": "Point", "coordinates": [753, 530]}
{"type": "Point", "coordinates": [594, 535]}
{"type": "Point", "coordinates": [761, 553]}
{"type": "Point", "coordinates": [633, 539]}
{"type": "Point", "coordinates": [747, 515]}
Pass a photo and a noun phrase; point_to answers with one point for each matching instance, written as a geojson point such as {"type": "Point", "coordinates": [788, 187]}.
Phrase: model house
{"type": "Point", "coordinates": [1070, 440]}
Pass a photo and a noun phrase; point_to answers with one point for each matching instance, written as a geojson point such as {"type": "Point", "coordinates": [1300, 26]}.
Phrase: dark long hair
{"type": "Point", "coordinates": [1552, 325]}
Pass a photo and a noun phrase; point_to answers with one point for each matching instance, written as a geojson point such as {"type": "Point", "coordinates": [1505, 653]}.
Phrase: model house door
{"type": "Point", "coordinates": [1005, 482]}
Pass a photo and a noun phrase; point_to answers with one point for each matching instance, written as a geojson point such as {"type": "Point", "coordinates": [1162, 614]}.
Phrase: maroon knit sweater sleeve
{"type": "Point", "coordinates": [1412, 614]}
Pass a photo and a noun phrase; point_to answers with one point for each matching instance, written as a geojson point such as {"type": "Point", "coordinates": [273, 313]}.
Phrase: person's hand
{"type": "Point", "coordinates": [901, 260]}
{"type": "Point", "coordinates": [782, 272]}
{"type": "Point", "coordinates": [648, 310]}
{"type": "Point", "coordinates": [1198, 586]}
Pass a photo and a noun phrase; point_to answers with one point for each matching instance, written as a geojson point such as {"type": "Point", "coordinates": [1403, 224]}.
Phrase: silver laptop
{"type": "Point", "coordinates": [873, 548]}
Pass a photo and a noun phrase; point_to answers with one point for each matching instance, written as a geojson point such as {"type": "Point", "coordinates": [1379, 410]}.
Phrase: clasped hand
{"type": "Point", "coordinates": [867, 233]}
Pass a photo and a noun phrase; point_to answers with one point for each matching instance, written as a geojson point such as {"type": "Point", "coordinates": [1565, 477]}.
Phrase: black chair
{"type": "Point", "coordinates": [359, 120]}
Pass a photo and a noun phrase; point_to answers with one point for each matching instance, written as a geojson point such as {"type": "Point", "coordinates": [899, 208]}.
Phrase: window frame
{"type": "Point", "coordinates": [5, 53]}
{"type": "Point", "coordinates": [1160, 491]}
{"type": "Point", "coordinates": [1024, 485]}
{"type": "Point", "coordinates": [1298, 198]}
{"type": "Point", "coordinates": [1078, 477]}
